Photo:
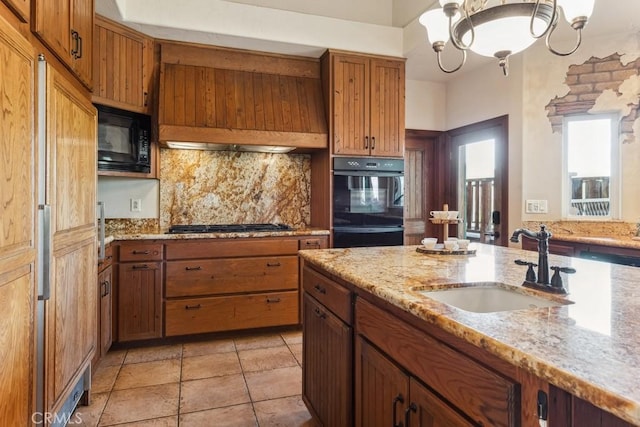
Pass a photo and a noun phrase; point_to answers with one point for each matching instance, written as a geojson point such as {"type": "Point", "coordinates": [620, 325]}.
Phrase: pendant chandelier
{"type": "Point", "coordinates": [502, 29]}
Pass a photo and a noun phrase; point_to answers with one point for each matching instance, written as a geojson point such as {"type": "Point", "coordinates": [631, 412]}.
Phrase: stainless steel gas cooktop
{"type": "Point", "coordinates": [227, 228]}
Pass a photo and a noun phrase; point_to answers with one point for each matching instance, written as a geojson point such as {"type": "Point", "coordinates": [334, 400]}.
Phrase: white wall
{"type": "Point", "coordinates": [544, 80]}
{"type": "Point", "coordinates": [485, 93]}
{"type": "Point", "coordinates": [117, 192]}
{"type": "Point", "coordinates": [425, 105]}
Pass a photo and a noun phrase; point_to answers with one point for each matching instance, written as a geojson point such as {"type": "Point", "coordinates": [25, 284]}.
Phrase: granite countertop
{"type": "Point", "coordinates": [620, 242]}
{"type": "Point", "coordinates": [161, 235]}
{"type": "Point", "coordinates": [589, 348]}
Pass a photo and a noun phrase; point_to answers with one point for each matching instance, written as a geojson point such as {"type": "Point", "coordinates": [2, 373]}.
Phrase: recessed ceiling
{"type": "Point", "coordinates": [367, 15]}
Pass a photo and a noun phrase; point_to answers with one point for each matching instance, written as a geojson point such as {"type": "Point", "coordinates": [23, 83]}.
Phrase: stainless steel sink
{"type": "Point", "coordinates": [490, 297]}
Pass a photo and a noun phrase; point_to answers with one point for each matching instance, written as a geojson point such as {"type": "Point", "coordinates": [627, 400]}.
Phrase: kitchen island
{"type": "Point", "coordinates": [582, 353]}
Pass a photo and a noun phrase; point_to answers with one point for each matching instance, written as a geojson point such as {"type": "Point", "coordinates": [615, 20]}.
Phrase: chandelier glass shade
{"type": "Point", "coordinates": [502, 29]}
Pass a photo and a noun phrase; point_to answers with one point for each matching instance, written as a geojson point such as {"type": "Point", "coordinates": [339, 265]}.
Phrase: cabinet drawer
{"type": "Point", "coordinates": [230, 248]}
{"type": "Point", "coordinates": [214, 314]}
{"type": "Point", "coordinates": [335, 297]}
{"type": "Point", "coordinates": [320, 242]}
{"type": "Point", "coordinates": [485, 396]}
{"type": "Point", "coordinates": [140, 252]}
{"type": "Point", "coordinates": [231, 275]}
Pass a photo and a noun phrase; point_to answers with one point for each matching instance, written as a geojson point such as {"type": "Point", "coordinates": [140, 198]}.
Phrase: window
{"type": "Point", "coordinates": [591, 165]}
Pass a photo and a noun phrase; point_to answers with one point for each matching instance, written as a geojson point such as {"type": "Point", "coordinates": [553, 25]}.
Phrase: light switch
{"type": "Point", "coordinates": [136, 205]}
{"type": "Point", "coordinates": [536, 206]}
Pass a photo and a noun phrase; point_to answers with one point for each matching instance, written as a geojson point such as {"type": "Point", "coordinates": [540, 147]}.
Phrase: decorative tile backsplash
{"type": "Point", "coordinates": [224, 187]}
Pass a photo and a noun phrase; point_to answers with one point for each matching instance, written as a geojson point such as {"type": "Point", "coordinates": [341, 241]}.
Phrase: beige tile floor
{"type": "Point", "coordinates": [241, 382]}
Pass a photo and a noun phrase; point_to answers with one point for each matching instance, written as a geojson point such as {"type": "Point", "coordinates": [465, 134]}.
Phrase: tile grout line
{"type": "Point", "coordinates": [180, 384]}
{"type": "Point", "coordinates": [246, 384]}
{"type": "Point", "coordinates": [111, 388]}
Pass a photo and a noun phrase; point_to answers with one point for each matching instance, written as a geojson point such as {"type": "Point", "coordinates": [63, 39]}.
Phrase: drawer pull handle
{"type": "Point", "coordinates": [320, 289]}
{"type": "Point", "coordinates": [312, 243]}
{"type": "Point", "coordinates": [273, 264]}
{"type": "Point", "coordinates": [141, 252]}
{"type": "Point", "coordinates": [398, 399]}
{"type": "Point", "coordinates": [193, 268]}
{"type": "Point", "coordinates": [193, 307]}
{"type": "Point", "coordinates": [320, 313]}
{"type": "Point", "coordinates": [140, 267]}
{"type": "Point", "coordinates": [272, 300]}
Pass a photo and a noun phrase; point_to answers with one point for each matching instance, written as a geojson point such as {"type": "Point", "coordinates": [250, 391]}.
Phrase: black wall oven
{"type": "Point", "coordinates": [368, 202]}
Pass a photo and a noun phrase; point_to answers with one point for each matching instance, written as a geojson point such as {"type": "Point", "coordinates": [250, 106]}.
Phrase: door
{"type": "Point", "coordinates": [423, 184]}
{"type": "Point", "coordinates": [351, 105]}
{"type": "Point", "coordinates": [52, 24]}
{"type": "Point", "coordinates": [427, 410]}
{"type": "Point", "coordinates": [139, 301]}
{"type": "Point", "coordinates": [326, 382]}
{"type": "Point", "coordinates": [478, 180]}
{"type": "Point", "coordinates": [70, 337]}
{"type": "Point", "coordinates": [17, 227]}
{"type": "Point", "coordinates": [386, 135]}
{"type": "Point", "coordinates": [381, 388]}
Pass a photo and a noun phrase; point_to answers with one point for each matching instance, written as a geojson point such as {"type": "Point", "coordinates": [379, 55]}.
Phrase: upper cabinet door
{"type": "Point", "coordinates": [82, 44]}
{"type": "Point", "coordinates": [123, 65]}
{"type": "Point", "coordinates": [22, 8]}
{"type": "Point", "coordinates": [387, 108]}
{"type": "Point", "coordinates": [66, 27]}
{"type": "Point", "coordinates": [53, 25]}
{"type": "Point", "coordinates": [350, 105]}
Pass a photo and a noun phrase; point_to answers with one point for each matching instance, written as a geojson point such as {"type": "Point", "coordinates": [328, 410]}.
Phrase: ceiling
{"type": "Point", "coordinates": [374, 26]}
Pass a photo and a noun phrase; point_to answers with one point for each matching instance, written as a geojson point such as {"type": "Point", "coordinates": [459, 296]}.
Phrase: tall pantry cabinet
{"type": "Point", "coordinates": [47, 230]}
{"type": "Point", "coordinates": [17, 225]}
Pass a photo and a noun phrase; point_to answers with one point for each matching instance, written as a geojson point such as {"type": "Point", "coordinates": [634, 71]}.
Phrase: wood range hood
{"type": "Point", "coordinates": [226, 99]}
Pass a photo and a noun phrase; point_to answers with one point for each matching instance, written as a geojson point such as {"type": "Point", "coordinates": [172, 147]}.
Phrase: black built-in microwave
{"type": "Point", "coordinates": [123, 140]}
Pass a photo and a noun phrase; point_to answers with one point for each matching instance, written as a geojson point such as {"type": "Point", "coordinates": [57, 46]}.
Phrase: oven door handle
{"type": "Point", "coordinates": [366, 230]}
{"type": "Point", "coordinates": [368, 173]}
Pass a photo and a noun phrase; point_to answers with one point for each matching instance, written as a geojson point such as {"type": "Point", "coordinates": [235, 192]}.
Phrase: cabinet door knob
{"type": "Point", "coordinates": [320, 313]}
{"type": "Point", "coordinates": [398, 399]}
{"type": "Point", "coordinates": [320, 289]}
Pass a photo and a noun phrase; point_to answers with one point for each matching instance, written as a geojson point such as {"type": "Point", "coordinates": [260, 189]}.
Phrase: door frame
{"type": "Point", "coordinates": [454, 142]}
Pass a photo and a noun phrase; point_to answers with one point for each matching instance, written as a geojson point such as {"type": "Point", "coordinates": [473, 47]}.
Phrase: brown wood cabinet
{"type": "Point", "coordinates": [411, 373]}
{"type": "Point", "coordinates": [387, 395]}
{"type": "Point", "coordinates": [555, 247]}
{"type": "Point", "coordinates": [366, 104]}
{"type": "Point", "coordinates": [70, 311]}
{"type": "Point", "coordinates": [18, 222]}
{"type": "Point", "coordinates": [122, 67]}
{"type": "Point", "coordinates": [105, 304]}
{"type": "Point", "coordinates": [480, 394]}
{"type": "Point", "coordinates": [327, 358]}
{"type": "Point", "coordinates": [225, 284]}
{"type": "Point", "coordinates": [139, 291]}
{"type": "Point", "coordinates": [66, 27]}
{"type": "Point", "coordinates": [21, 8]}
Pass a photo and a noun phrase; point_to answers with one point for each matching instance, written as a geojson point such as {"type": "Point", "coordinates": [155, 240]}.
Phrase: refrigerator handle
{"type": "Point", "coordinates": [101, 250]}
{"type": "Point", "coordinates": [46, 252]}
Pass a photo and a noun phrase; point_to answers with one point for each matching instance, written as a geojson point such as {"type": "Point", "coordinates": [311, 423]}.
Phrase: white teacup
{"type": "Point", "coordinates": [450, 245]}
{"type": "Point", "coordinates": [463, 243]}
{"type": "Point", "coordinates": [429, 242]}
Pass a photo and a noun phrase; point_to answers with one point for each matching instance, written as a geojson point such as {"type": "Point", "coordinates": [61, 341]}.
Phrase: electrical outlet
{"type": "Point", "coordinates": [135, 205]}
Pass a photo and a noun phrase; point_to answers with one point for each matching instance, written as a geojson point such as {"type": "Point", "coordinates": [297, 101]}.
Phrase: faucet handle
{"type": "Point", "coordinates": [531, 275]}
{"type": "Point", "coordinates": [556, 280]}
